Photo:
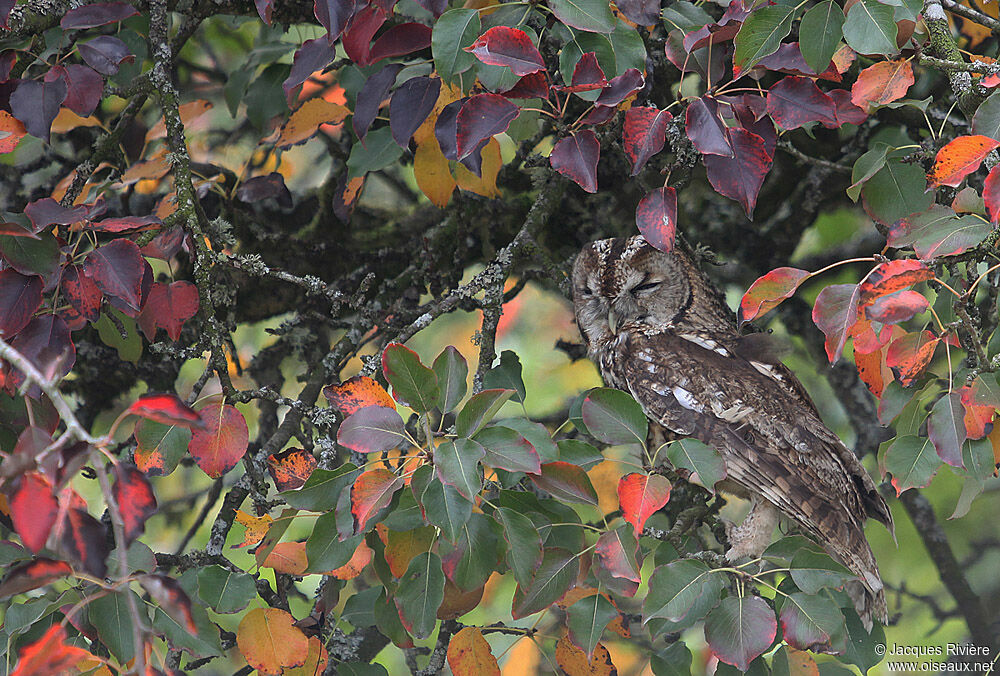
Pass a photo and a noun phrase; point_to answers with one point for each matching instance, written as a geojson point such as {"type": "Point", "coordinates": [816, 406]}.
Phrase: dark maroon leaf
{"type": "Point", "coordinates": [135, 500]}
{"type": "Point", "coordinates": [744, 108]}
{"type": "Point", "coordinates": [171, 597]}
{"type": "Point", "coordinates": [435, 7]}
{"type": "Point", "coordinates": [358, 36]}
{"type": "Point", "coordinates": [99, 14]}
{"type": "Point", "coordinates": [410, 105]}
{"type": "Point", "coordinates": [587, 75]}
{"type": "Point", "coordinates": [642, 12]}
{"type": "Point", "coordinates": [84, 87]}
{"type": "Point", "coordinates": [600, 114]}
{"type": "Point", "coordinates": [46, 211]}
{"type": "Point", "coordinates": [446, 129]}
{"type": "Point", "coordinates": [740, 177]}
{"type": "Point", "coordinates": [313, 55]}
{"type": "Point", "coordinates": [144, 287]}
{"type": "Point", "coordinates": [105, 54]}
{"type": "Point", "coordinates": [371, 96]}
{"type": "Point", "coordinates": [482, 117]}
{"type": "Point", "coordinates": [706, 129]}
{"type": "Point", "coordinates": [400, 40]}
{"type": "Point", "coordinates": [20, 296]}
{"type": "Point", "coordinates": [795, 101]}
{"type": "Point", "coordinates": [7, 58]}
{"type": "Point", "coordinates": [167, 307]}
{"type": "Point", "coordinates": [534, 86]}
{"type": "Point", "coordinates": [5, 7]}
{"type": "Point", "coordinates": [576, 156]}
{"type": "Point", "coordinates": [264, 187]}
{"type": "Point", "coordinates": [847, 112]}
{"type": "Point", "coordinates": [835, 312]}
{"type": "Point", "coordinates": [505, 46]}
{"type": "Point", "coordinates": [82, 293]}
{"type": "Point", "coordinates": [621, 87]}
{"type": "Point", "coordinates": [644, 134]}
{"type": "Point", "coordinates": [788, 59]}
{"type": "Point", "coordinates": [166, 244]}
{"type": "Point", "coordinates": [709, 63]}
{"type": "Point", "coordinates": [264, 9]}
{"type": "Point", "coordinates": [124, 224]}
{"type": "Point", "coordinates": [117, 269]}
{"type": "Point", "coordinates": [334, 16]}
{"type": "Point", "coordinates": [84, 541]}
{"type": "Point", "coordinates": [36, 104]}
{"type": "Point", "coordinates": [46, 343]}
{"type": "Point", "coordinates": [656, 217]}
{"type": "Point", "coordinates": [726, 29]}
{"type": "Point", "coordinates": [14, 229]}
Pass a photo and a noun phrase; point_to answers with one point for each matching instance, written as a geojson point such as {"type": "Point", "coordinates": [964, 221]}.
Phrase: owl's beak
{"type": "Point", "coordinates": [613, 321]}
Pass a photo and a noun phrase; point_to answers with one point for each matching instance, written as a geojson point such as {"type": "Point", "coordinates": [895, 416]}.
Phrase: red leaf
{"type": "Point", "coordinates": [222, 442]}
{"type": "Point", "coordinates": [656, 217]}
{"type": "Point", "coordinates": [33, 509]}
{"type": "Point", "coordinates": [505, 46]}
{"type": "Point", "coordinates": [795, 101]}
{"type": "Point", "coordinates": [480, 118]}
{"type": "Point", "coordinates": [20, 296]}
{"type": "Point", "coordinates": [167, 409]}
{"type": "Point", "coordinates": [587, 75]}
{"type": "Point", "coordinates": [640, 495]}
{"type": "Point", "coordinates": [740, 177]}
{"type": "Point", "coordinates": [615, 558]}
{"type": "Point", "coordinates": [644, 134]}
{"type": "Point", "coordinates": [768, 292]}
{"type": "Point", "coordinates": [50, 655]}
{"type": "Point", "coordinates": [910, 354]}
{"type": "Point", "coordinates": [898, 307]}
{"type": "Point", "coordinates": [100, 14]}
{"type": "Point", "coordinates": [135, 499]}
{"type": "Point", "coordinates": [978, 418]}
{"type": "Point", "coordinates": [835, 312]}
{"type": "Point", "coordinates": [959, 158]}
{"type": "Point", "coordinates": [370, 493]}
{"type": "Point", "coordinates": [991, 194]}
{"type": "Point", "coordinates": [882, 83]}
{"type": "Point", "coordinates": [565, 481]}
{"type": "Point", "coordinates": [358, 36]}
{"type": "Point", "coordinates": [576, 157]}
{"type": "Point", "coordinates": [847, 112]}
{"type": "Point", "coordinates": [891, 276]}
{"type": "Point", "coordinates": [128, 224]}
{"type": "Point", "coordinates": [84, 540]}
{"type": "Point", "coordinates": [168, 306]}
{"type": "Point", "coordinates": [621, 87]}
{"type": "Point", "coordinates": [32, 575]}
{"type": "Point", "coordinates": [82, 293]}
{"type": "Point", "coordinates": [705, 128]}
{"type": "Point", "coordinates": [410, 105]}
{"type": "Point", "coordinates": [290, 468]}
{"type": "Point", "coordinates": [399, 40]}
{"type": "Point", "coordinates": [534, 86]}
{"type": "Point", "coordinates": [869, 357]}
{"type": "Point", "coordinates": [172, 598]}
{"type": "Point", "coordinates": [117, 269]}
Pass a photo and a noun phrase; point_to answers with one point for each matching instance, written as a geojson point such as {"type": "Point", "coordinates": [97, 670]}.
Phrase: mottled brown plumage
{"type": "Point", "coordinates": [657, 328]}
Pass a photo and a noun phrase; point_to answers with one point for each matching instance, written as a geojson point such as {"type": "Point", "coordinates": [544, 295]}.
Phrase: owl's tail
{"type": "Point", "coordinates": [867, 592]}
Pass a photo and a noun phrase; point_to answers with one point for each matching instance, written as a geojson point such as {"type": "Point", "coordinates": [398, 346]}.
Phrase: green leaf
{"type": "Point", "coordinates": [537, 435]}
{"type": "Point", "coordinates": [506, 375]}
{"type": "Point", "coordinates": [760, 35]}
{"type": "Point", "coordinates": [865, 649]}
{"type": "Point", "coordinates": [675, 587]}
{"type": "Point", "coordinates": [555, 574]}
{"type": "Point", "coordinates": [630, 51]}
{"type": "Point", "coordinates": [614, 417]}
{"type": "Point", "coordinates": [206, 642]}
{"type": "Point", "coordinates": [566, 482]}
{"type": "Point", "coordinates": [454, 30]}
{"type": "Point", "coordinates": [359, 607]}
{"type": "Point", "coordinates": [452, 372]}
{"type": "Point", "coordinates": [912, 462]}
{"type": "Point", "coordinates": [388, 621]}
{"type": "Point", "coordinates": [168, 442]}
{"type": "Point", "coordinates": [870, 28]}
{"type": "Point", "coordinates": [377, 152]}
{"type": "Point", "coordinates": [443, 504]}
{"type": "Point", "coordinates": [473, 557]}
{"type": "Point", "coordinates": [579, 453]}
{"type": "Point", "coordinates": [321, 489]}
{"type": "Point", "coordinates": [978, 459]}
{"type": "Point", "coordinates": [31, 256]}
{"type": "Point", "coordinates": [740, 629]}
{"type": "Point", "coordinates": [896, 191]}
{"type": "Point", "coordinates": [812, 570]}
{"type": "Point", "coordinates": [507, 449]}
{"type": "Point", "coordinates": [325, 551]}
{"type": "Point", "coordinates": [674, 660]}
{"type": "Point", "coordinates": [265, 98]}
{"type": "Point", "coordinates": [479, 410]}
{"type": "Point", "coordinates": [457, 464]}
{"type": "Point", "coordinates": [700, 459]}
{"type": "Point", "coordinates": [594, 16]}
{"type": "Point", "coordinates": [360, 669]}
{"type": "Point", "coordinates": [685, 16]}
{"type": "Point", "coordinates": [111, 618]}
{"type": "Point", "coordinates": [819, 34]}
{"type": "Point", "coordinates": [586, 620]}
{"type": "Point", "coordinates": [225, 591]}
{"type": "Point", "coordinates": [810, 620]}
{"type": "Point", "coordinates": [524, 544]}
{"type": "Point", "coordinates": [867, 166]}
{"type": "Point", "coordinates": [413, 384]}
{"type": "Point", "coordinates": [129, 347]}
{"type": "Point", "coordinates": [420, 592]}
{"type": "Point", "coordinates": [986, 121]}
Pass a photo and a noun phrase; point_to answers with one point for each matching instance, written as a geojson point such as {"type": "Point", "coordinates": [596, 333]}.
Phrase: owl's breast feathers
{"type": "Point", "coordinates": [759, 418]}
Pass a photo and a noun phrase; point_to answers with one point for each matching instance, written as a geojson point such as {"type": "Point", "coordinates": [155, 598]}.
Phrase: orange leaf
{"type": "Point", "coordinates": [287, 557]}
{"type": "Point", "coordinates": [891, 276]}
{"type": "Point", "coordinates": [270, 642]}
{"type": "Point", "coordinates": [485, 185]}
{"type": "Point", "coordinates": [50, 655]}
{"type": "Point", "coordinates": [315, 663]}
{"type": "Point", "coordinates": [801, 663]}
{"type": "Point", "coordinates": [155, 167]}
{"type": "Point", "coordinates": [959, 158]}
{"type": "Point", "coordinates": [882, 83]}
{"type": "Point", "coordinates": [910, 354]}
{"type": "Point", "coordinates": [458, 602]}
{"type": "Point", "coordinates": [189, 111]}
{"type": "Point", "coordinates": [370, 493]}
{"type": "Point", "coordinates": [768, 291]}
{"type": "Point", "coordinates": [291, 468]}
{"type": "Point", "coordinates": [256, 528]}
{"type": "Point", "coordinates": [469, 654]}
{"type": "Point", "coordinates": [356, 393]}
{"type": "Point", "coordinates": [640, 495]}
{"type": "Point", "coordinates": [574, 661]}
{"type": "Point", "coordinates": [11, 132]}
{"type": "Point", "coordinates": [306, 121]}
{"type": "Point", "coordinates": [431, 170]}
{"type": "Point", "coordinates": [362, 557]}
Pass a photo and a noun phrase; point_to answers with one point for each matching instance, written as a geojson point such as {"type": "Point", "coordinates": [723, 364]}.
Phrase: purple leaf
{"type": "Point", "coordinates": [84, 87]}
{"type": "Point", "coordinates": [36, 104]}
{"type": "Point", "coordinates": [105, 54]}
{"type": "Point", "coordinates": [400, 40]}
{"type": "Point", "coordinates": [435, 7]}
{"type": "Point", "coordinates": [334, 15]}
{"type": "Point", "coordinates": [46, 211]}
{"type": "Point", "coordinates": [727, 28]}
{"type": "Point", "coordinates": [5, 7]}
{"type": "Point", "coordinates": [100, 14]}
{"type": "Point", "coordinates": [46, 343]}
{"type": "Point", "coordinates": [796, 101]}
{"type": "Point", "coordinates": [621, 87]}
{"type": "Point", "coordinates": [482, 117]}
{"type": "Point", "coordinates": [313, 55]}
{"type": "Point", "coordinates": [20, 296]}
{"type": "Point", "coordinates": [600, 114]}
{"type": "Point", "coordinates": [756, 123]}
{"type": "Point", "coordinates": [642, 12]}
{"type": "Point", "coordinates": [124, 224]}
{"type": "Point", "coordinates": [847, 112]}
{"type": "Point", "coordinates": [371, 96]}
{"type": "Point", "coordinates": [656, 218]}
{"type": "Point", "coordinates": [410, 105]}
{"type": "Point", "coordinates": [446, 129]}
{"type": "Point", "coordinates": [741, 176]}
{"type": "Point", "coordinates": [117, 268]}
{"type": "Point", "coordinates": [576, 156]}
{"type": "Point", "coordinates": [264, 187]}
{"type": "Point", "coordinates": [706, 129]}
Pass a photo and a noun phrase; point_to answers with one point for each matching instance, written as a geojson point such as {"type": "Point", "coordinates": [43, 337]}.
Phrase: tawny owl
{"type": "Point", "coordinates": [657, 329]}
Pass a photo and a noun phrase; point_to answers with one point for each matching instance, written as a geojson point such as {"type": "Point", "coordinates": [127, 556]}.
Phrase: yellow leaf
{"type": "Point", "coordinates": [801, 663]}
{"type": "Point", "coordinates": [270, 642]}
{"type": "Point", "coordinates": [430, 168]}
{"type": "Point", "coordinates": [574, 661]}
{"type": "Point", "coordinates": [315, 661]}
{"type": "Point", "coordinates": [306, 121]}
{"type": "Point", "coordinates": [469, 654]}
{"type": "Point", "coordinates": [256, 527]}
{"type": "Point", "coordinates": [67, 120]}
{"type": "Point", "coordinates": [487, 184]}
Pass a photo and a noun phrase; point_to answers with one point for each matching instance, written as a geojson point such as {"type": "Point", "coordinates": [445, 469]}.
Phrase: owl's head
{"type": "Point", "coordinates": [625, 280]}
